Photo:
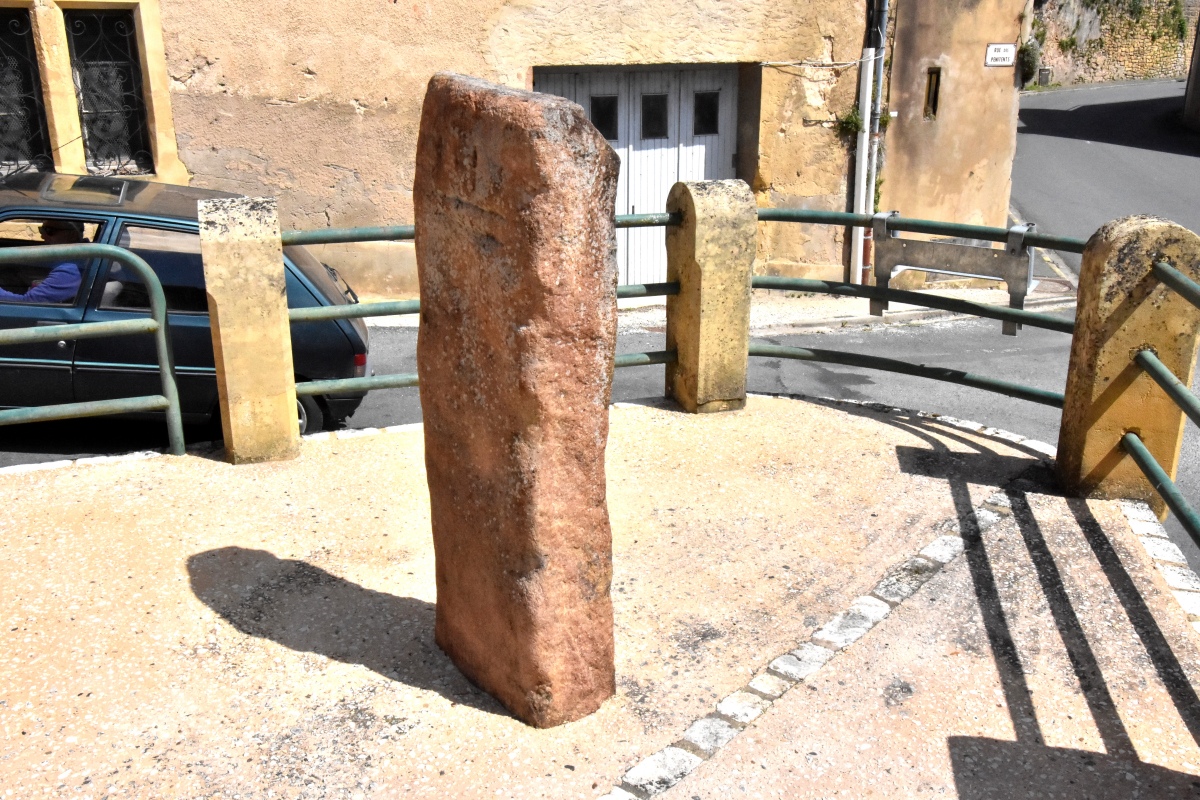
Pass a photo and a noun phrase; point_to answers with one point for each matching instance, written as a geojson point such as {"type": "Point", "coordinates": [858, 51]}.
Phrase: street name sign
{"type": "Point", "coordinates": [1000, 55]}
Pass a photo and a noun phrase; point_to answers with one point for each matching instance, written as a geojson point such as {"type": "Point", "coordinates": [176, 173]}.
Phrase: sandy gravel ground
{"type": "Point", "coordinates": [181, 627]}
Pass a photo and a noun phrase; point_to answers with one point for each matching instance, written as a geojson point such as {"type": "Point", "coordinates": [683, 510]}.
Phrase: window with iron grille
{"type": "Point", "coordinates": [108, 83]}
{"type": "Point", "coordinates": [24, 141]}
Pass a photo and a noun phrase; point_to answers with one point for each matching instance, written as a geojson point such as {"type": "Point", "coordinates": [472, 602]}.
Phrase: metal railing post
{"type": "Point", "coordinates": [245, 280]}
{"type": "Point", "coordinates": [711, 255]}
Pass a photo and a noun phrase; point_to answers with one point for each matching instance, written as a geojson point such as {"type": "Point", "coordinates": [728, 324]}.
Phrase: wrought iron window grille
{"type": "Point", "coordinates": [24, 140]}
{"type": "Point", "coordinates": [108, 84]}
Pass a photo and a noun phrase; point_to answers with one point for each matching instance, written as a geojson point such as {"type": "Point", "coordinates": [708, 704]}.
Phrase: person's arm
{"type": "Point", "coordinates": [60, 286]}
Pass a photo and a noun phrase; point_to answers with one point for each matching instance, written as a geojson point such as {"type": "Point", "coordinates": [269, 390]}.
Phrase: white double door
{"type": "Point", "coordinates": [667, 125]}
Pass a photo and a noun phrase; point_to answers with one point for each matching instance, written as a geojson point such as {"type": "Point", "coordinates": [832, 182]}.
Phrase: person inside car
{"type": "Point", "coordinates": [62, 283]}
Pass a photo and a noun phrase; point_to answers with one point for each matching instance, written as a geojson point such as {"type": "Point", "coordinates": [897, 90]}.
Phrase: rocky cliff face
{"type": "Point", "coordinates": [1084, 41]}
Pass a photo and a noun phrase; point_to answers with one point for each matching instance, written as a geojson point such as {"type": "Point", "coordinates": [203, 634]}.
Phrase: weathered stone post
{"type": "Point", "coordinates": [514, 199]}
{"type": "Point", "coordinates": [1122, 309]}
{"type": "Point", "coordinates": [711, 254]}
{"type": "Point", "coordinates": [252, 341]}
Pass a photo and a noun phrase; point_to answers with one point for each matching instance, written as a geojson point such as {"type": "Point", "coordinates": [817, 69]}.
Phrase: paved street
{"type": "Point", "coordinates": [1092, 154]}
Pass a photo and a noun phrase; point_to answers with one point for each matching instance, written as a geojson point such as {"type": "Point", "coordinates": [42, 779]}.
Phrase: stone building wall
{"type": "Point", "coordinates": [952, 162]}
{"type": "Point", "coordinates": [318, 104]}
{"type": "Point", "coordinates": [1086, 41]}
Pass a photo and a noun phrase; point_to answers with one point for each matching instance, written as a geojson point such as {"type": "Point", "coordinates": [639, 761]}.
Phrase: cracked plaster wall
{"type": "Point", "coordinates": [318, 105]}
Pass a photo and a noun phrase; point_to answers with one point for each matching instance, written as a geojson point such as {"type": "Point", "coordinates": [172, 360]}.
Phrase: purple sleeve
{"type": "Point", "coordinates": [60, 286]}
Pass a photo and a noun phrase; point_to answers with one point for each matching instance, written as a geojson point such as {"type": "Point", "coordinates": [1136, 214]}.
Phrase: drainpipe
{"type": "Point", "coordinates": [866, 68]}
{"type": "Point", "coordinates": [877, 111]}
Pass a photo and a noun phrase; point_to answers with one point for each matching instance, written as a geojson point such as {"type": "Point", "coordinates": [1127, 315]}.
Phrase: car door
{"type": "Point", "coordinates": [127, 366]}
{"type": "Point", "coordinates": [40, 374]}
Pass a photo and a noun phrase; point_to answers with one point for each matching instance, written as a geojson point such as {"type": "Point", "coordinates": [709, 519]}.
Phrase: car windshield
{"type": "Point", "coordinates": [315, 271]}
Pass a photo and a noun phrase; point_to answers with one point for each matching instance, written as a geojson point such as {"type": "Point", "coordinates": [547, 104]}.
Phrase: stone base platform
{"type": "Point", "coordinates": [183, 627]}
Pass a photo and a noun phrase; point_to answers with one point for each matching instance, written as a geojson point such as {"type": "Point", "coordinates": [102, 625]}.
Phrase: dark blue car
{"type": "Point", "coordinates": [158, 222]}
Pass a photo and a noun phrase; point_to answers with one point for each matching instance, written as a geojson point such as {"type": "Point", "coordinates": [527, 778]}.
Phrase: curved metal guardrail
{"type": "Point", "coordinates": [1032, 394]}
{"type": "Point", "coordinates": [1033, 319]}
{"type": "Point", "coordinates": [1182, 396]}
{"type": "Point", "coordinates": [157, 325]}
{"type": "Point", "coordinates": [407, 379]}
{"type": "Point", "coordinates": [1030, 318]}
{"type": "Point", "coordinates": [932, 227]}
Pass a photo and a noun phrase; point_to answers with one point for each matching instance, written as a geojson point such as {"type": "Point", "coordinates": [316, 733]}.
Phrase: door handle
{"type": "Point", "coordinates": [43, 323]}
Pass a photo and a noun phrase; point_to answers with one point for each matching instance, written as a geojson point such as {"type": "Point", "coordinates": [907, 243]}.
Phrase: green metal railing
{"type": "Point", "coordinates": [157, 325]}
{"type": "Point", "coordinates": [1033, 319]}
{"type": "Point", "coordinates": [1132, 444]}
{"type": "Point", "coordinates": [1043, 396]}
{"type": "Point", "coordinates": [1182, 396]}
{"type": "Point", "coordinates": [399, 233]}
{"type": "Point", "coordinates": [1030, 318]}
{"type": "Point", "coordinates": [399, 307]}
{"type": "Point", "coordinates": [932, 227]}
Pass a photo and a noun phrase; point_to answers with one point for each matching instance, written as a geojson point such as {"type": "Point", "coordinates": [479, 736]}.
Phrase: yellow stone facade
{"type": "Point", "coordinates": [318, 105]}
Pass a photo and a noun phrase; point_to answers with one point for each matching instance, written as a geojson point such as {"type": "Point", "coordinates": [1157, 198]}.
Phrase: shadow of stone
{"type": "Point", "coordinates": [307, 609]}
{"type": "Point", "coordinates": [990, 769]}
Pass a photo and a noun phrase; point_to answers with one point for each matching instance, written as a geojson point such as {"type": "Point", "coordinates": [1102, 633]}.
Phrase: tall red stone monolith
{"type": "Point", "coordinates": [516, 253]}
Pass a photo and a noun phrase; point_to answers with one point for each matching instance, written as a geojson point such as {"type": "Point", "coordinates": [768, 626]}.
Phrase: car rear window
{"type": "Point", "coordinates": [315, 271]}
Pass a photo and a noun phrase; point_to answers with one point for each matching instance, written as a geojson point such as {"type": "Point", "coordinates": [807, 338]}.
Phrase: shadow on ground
{"type": "Point", "coordinates": [1151, 124]}
{"type": "Point", "coordinates": [92, 436]}
{"type": "Point", "coordinates": [989, 769]}
{"type": "Point", "coordinates": [307, 609]}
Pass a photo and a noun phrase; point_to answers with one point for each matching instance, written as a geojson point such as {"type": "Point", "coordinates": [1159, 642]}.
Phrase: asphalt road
{"type": "Point", "coordinates": [1092, 154]}
{"type": "Point", "coordinates": [1084, 156]}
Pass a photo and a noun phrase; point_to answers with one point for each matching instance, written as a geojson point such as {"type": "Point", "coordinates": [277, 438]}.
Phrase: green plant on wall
{"type": "Point", "coordinates": [1038, 29]}
{"type": "Point", "coordinates": [1029, 57]}
{"type": "Point", "coordinates": [849, 124]}
{"type": "Point", "coordinates": [1068, 45]}
{"type": "Point", "coordinates": [1168, 17]}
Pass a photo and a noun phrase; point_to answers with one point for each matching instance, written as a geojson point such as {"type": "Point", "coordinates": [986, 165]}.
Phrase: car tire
{"type": "Point", "coordinates": [310, 414]}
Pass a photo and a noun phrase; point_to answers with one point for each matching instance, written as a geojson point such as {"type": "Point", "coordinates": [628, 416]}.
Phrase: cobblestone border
{"type": "Point", "coordinates": [1166, 555]}
{"type": "Point", "coordinates": [706, 736]}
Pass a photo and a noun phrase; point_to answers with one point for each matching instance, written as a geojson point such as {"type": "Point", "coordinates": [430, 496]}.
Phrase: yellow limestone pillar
{"type": "Point", "coordinates": [1123, 308]}
{"type": "Point", "coordinates": [711, 254]}
{"type": "Point", "coordinates": [252, 343]}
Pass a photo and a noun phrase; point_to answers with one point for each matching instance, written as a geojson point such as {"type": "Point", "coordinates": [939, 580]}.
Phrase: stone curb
{"type": "Point", "coordinates": [705, 737]}
{"type": "Point", "coordinates": [1167, 557]}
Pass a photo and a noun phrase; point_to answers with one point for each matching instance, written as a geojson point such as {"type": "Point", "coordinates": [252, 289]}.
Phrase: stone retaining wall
{"type": "Point", "coordinates": [1087, 41]}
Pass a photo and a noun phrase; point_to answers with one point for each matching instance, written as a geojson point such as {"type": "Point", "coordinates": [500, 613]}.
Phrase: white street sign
{"type": "Point", "coordinates": [1000, 55]}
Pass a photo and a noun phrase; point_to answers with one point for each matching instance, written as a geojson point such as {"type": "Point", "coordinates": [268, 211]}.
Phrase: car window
{"type": "Point", "coordinates": [55, 284]}
{"type": "Point", "coordinates": [175, 258]}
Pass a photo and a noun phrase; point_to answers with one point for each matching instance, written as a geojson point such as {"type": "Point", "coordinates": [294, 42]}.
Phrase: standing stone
{"type": "Point", "coordinates": [1123, 308]}
{"type": "Point", "coordinates": [516, 254]}
{"type": "Point", "coordinates": [251, 336]}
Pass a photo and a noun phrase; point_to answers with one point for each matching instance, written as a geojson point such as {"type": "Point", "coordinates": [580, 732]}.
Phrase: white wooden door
{"type": "Point", "coordinates": [708, 110]}
{"type": "Point", "coordinates": [669, 125]}
{"type": "Point", "coordinates": [653, 167]}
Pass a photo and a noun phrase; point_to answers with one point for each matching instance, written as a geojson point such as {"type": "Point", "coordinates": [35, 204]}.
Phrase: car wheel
{"type": "Point", "coordinates": [310, 415]}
